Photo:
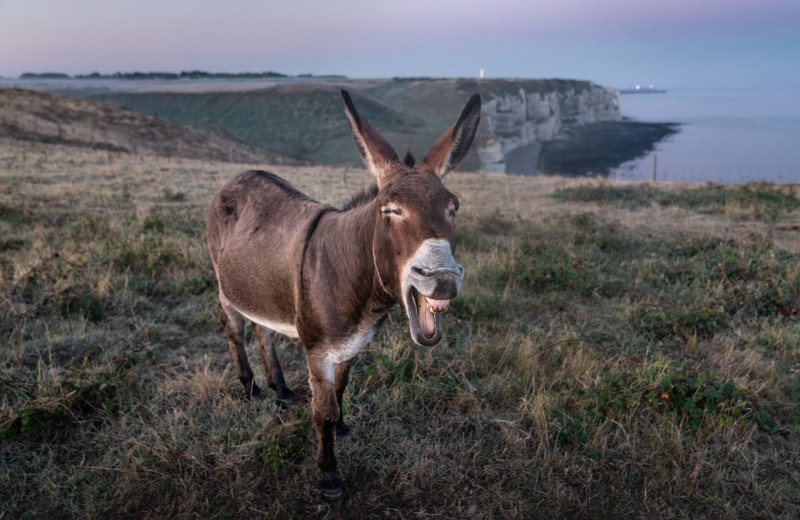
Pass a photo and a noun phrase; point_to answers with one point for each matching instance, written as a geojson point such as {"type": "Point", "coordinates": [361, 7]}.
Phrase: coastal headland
{"type": "Point", "coordinates": [529, 126]}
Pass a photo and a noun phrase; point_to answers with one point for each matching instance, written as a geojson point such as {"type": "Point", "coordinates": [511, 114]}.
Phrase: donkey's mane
{"type": "Point", "coordinates": [365, 196]}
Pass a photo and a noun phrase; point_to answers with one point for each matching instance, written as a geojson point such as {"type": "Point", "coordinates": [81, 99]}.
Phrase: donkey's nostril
{"type": "Point", "coordinates": [428, 273]}
{"type": "Point", "coordinates": [456, 271]}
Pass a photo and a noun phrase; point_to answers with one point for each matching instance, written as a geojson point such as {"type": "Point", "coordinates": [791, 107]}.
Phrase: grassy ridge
{"type": "Point", "coordinates": [303, 121]}
{"type": "Point", "coordinates": [43, 117]}
{"type": "Point", "coordinates": [605, 359]}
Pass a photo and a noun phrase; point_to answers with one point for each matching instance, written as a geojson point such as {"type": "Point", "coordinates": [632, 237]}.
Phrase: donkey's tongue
{"type": "Point", "coordinates": [427, 322]}
{"type": "Point", "coordinates": [427, 309]}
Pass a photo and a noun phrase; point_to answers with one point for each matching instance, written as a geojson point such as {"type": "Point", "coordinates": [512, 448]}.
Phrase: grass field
{"type": "Point", "coordinates": [617, 351]}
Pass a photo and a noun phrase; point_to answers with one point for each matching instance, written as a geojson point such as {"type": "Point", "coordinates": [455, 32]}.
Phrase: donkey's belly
{"type": "Point", "coordinates": [284, 328]}
{"type": "Point", "coordinates": [265, 295]}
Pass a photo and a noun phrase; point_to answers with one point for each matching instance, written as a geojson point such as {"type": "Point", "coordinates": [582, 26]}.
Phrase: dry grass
{"type": "Point", "coordinates": [601, 361]}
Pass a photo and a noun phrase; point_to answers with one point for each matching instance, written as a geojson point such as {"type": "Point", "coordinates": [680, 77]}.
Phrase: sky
{"type": "Point", "coordinates": [616, 43]}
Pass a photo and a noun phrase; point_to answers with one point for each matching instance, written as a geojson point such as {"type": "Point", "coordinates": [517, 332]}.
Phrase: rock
{"type": "Point", "coordinates": [492, 157]}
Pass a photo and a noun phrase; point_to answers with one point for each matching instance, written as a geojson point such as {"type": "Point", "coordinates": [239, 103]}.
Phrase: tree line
{"type": "Point", "coordinates": [194, 74]}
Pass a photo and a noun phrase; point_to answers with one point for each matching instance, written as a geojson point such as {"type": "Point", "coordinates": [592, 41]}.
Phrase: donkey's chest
{"type": "Point", "coordinates": [348, 348]}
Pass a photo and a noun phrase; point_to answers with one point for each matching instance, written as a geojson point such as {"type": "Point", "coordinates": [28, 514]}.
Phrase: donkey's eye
{"type": "Point", "coordinates": [392, 210]}
{"type": "Point", "coordinates": [451, 212]}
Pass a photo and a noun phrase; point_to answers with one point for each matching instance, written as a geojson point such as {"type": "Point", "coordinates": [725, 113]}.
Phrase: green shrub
{"type": "Point", "coordinates": [762, 199]}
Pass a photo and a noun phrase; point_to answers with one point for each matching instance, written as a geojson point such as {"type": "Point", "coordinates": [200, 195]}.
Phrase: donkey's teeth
{"type": "Point", "coordinates": [437, 306]}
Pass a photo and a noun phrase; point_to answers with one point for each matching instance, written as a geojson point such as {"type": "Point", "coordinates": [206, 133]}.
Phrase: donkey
{"type": "Point", "coordinates": [329, 277]}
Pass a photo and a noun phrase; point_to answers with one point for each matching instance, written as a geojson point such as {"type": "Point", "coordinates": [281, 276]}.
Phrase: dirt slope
{"type": "Point", "coordinates": [45, 117]}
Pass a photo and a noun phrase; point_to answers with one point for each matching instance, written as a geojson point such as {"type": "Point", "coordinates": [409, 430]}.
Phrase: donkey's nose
{"type": "Point", "coordinates": [440, 283]}
{"type": "Point", "coordinates": [456, 271]}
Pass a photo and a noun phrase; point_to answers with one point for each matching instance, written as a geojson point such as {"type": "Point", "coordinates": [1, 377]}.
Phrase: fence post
{"type": "Point", "coordinates": [655, 167]}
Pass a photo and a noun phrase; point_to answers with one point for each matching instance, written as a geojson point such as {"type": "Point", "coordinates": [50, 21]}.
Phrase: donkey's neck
{"type": "Point", "coordinates": [340, 278]}
{"type": "Point", "coordinates": [348, 234]}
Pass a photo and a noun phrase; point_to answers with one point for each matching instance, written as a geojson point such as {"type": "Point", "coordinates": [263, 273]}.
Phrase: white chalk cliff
{"type": "Point", "coordinates": [520, 123]}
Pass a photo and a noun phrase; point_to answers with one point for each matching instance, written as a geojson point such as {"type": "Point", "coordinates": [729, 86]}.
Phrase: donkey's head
{"type": "Point", "coordinates": [415, 239]}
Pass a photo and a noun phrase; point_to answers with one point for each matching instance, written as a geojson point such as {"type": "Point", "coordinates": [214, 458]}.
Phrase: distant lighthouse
{"type": "Point", "coordinates": [481, 74]}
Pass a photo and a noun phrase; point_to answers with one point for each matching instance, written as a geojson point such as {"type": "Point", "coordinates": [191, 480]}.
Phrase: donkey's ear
{"type": "Point", "coordinates": [378, 155]}
{"type": "Point", "coordinates": [452, 147]}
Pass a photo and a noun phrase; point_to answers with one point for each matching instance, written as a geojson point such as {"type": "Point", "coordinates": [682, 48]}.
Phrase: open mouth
{"type": "Point", "coordinates": [425, 315]}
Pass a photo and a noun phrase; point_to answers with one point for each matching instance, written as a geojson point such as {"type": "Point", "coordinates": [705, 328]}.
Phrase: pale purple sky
{"type": "Point", "coordinates": [618, 43]}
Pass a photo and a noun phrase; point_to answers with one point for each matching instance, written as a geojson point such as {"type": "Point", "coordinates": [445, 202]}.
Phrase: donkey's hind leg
{"type": "Point", "coordinates": [234, 327]}
{"type": "Point", "coordinates": [266, 346]}
{"type": "Point", "coordinates": [342, 375]}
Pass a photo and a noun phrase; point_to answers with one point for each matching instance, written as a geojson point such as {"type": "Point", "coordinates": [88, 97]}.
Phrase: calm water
{"type": "Point", "coordinates": [726, 135]}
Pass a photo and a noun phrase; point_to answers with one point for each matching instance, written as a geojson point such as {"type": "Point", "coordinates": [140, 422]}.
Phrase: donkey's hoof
{"type": "Point", "coordinates": [332, 488]}
{"type": "Point", "coordinates": [333, 496]}
{"type": "Point", "coordinates": [286, 398]}
{"type": "Point", "coordinates": [253, 392]}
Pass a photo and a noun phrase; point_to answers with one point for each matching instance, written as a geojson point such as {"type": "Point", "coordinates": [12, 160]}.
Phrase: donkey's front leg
{"type": "Point", "coordinates": [325, 410]}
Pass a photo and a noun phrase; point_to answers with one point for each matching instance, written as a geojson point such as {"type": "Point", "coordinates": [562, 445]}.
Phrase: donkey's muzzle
{"type": "Point", "coordinates": [441, 283]}
{"type": "Point", "coordinates": [432, 279]}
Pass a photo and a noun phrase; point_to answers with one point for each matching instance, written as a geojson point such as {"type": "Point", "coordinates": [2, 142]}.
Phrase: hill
{"type": "Point", "coordinates": [297, 118]}
{"type": "Point", "coordinates": [304, 118]}
{"type": "Point", "coordinates": [36, 116]}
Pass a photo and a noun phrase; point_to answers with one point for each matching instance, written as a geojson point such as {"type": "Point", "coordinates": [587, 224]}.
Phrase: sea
{"type": "Point", "coordinates": [725, 135]}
